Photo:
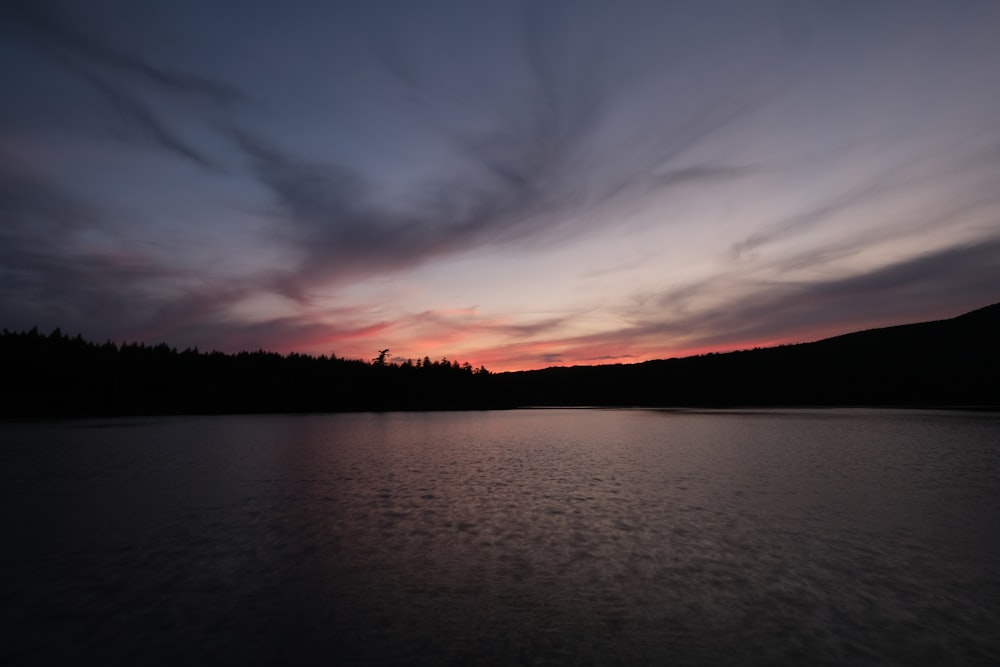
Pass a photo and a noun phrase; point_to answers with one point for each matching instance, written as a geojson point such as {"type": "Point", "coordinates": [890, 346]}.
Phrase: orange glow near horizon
{"type": "Point", "coordinates": [447, 338]}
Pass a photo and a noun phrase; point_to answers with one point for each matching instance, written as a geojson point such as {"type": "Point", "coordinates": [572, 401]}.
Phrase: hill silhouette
{"type": "Point", "coordinates": [954, 362]}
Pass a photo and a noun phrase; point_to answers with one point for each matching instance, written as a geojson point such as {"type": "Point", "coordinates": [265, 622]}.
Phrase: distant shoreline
{"type": "Point", "coordinates": [943, 365]}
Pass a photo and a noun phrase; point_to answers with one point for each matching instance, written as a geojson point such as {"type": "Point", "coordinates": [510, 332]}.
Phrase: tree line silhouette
{"type": "Point", "coordinates": [952, 362]}
{"type": "Point", "coordinates": [63, 376]}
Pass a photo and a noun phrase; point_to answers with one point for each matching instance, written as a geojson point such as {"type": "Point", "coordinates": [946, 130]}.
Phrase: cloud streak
{"type": "Point", "coordinates": [117, 75]}
{"type": "Point", "coordinates": [49, 32]}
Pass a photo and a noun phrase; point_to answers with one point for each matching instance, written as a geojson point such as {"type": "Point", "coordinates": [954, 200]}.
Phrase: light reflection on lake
{"type": "Point", "coordinates": [520, 537]}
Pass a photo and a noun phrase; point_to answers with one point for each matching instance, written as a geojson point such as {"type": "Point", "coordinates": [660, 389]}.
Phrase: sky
{"type": "Point", "coordinates": [516, 184]}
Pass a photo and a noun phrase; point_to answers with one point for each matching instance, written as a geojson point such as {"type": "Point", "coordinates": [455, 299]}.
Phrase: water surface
{"type": "Point", "coordinates": [521, 537]}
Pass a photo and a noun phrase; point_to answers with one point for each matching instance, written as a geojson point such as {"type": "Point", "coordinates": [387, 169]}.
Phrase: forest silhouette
{"type": "Point", "coordinates": [953, 362]}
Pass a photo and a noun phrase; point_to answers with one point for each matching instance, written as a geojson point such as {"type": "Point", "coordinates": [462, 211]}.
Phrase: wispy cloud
{"type": "Point", "coordinates": [123, 78]}
{"type": "Point", "coordinates": [49, 31]}
{"type": "Point", "coordinates": [61, 264]}
{"type": "Point", "coordinates": [530, 170]}
{"type": "Point", "coordinates": [45, 273]}
{"type": "Point", "coordinates": [138, 116]}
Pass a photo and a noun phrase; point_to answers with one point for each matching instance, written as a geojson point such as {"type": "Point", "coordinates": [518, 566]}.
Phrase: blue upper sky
{"type": "Point", "coordinates": [518, 184]}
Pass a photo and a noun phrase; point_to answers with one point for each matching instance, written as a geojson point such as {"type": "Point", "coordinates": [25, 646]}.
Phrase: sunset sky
{"type": "Point", "coordinates": [513, 184]}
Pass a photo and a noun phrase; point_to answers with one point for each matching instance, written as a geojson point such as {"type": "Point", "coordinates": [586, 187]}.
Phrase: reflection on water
{"type": "Point", "coordinates": [523, 537]}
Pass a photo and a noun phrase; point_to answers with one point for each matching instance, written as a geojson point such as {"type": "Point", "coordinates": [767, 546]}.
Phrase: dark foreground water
{"type": "Point", "coordinates": [524, 537]}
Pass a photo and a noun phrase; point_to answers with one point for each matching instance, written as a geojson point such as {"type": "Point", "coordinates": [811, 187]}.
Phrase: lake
{"type": "Point", "coordinates": [512, 537]}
